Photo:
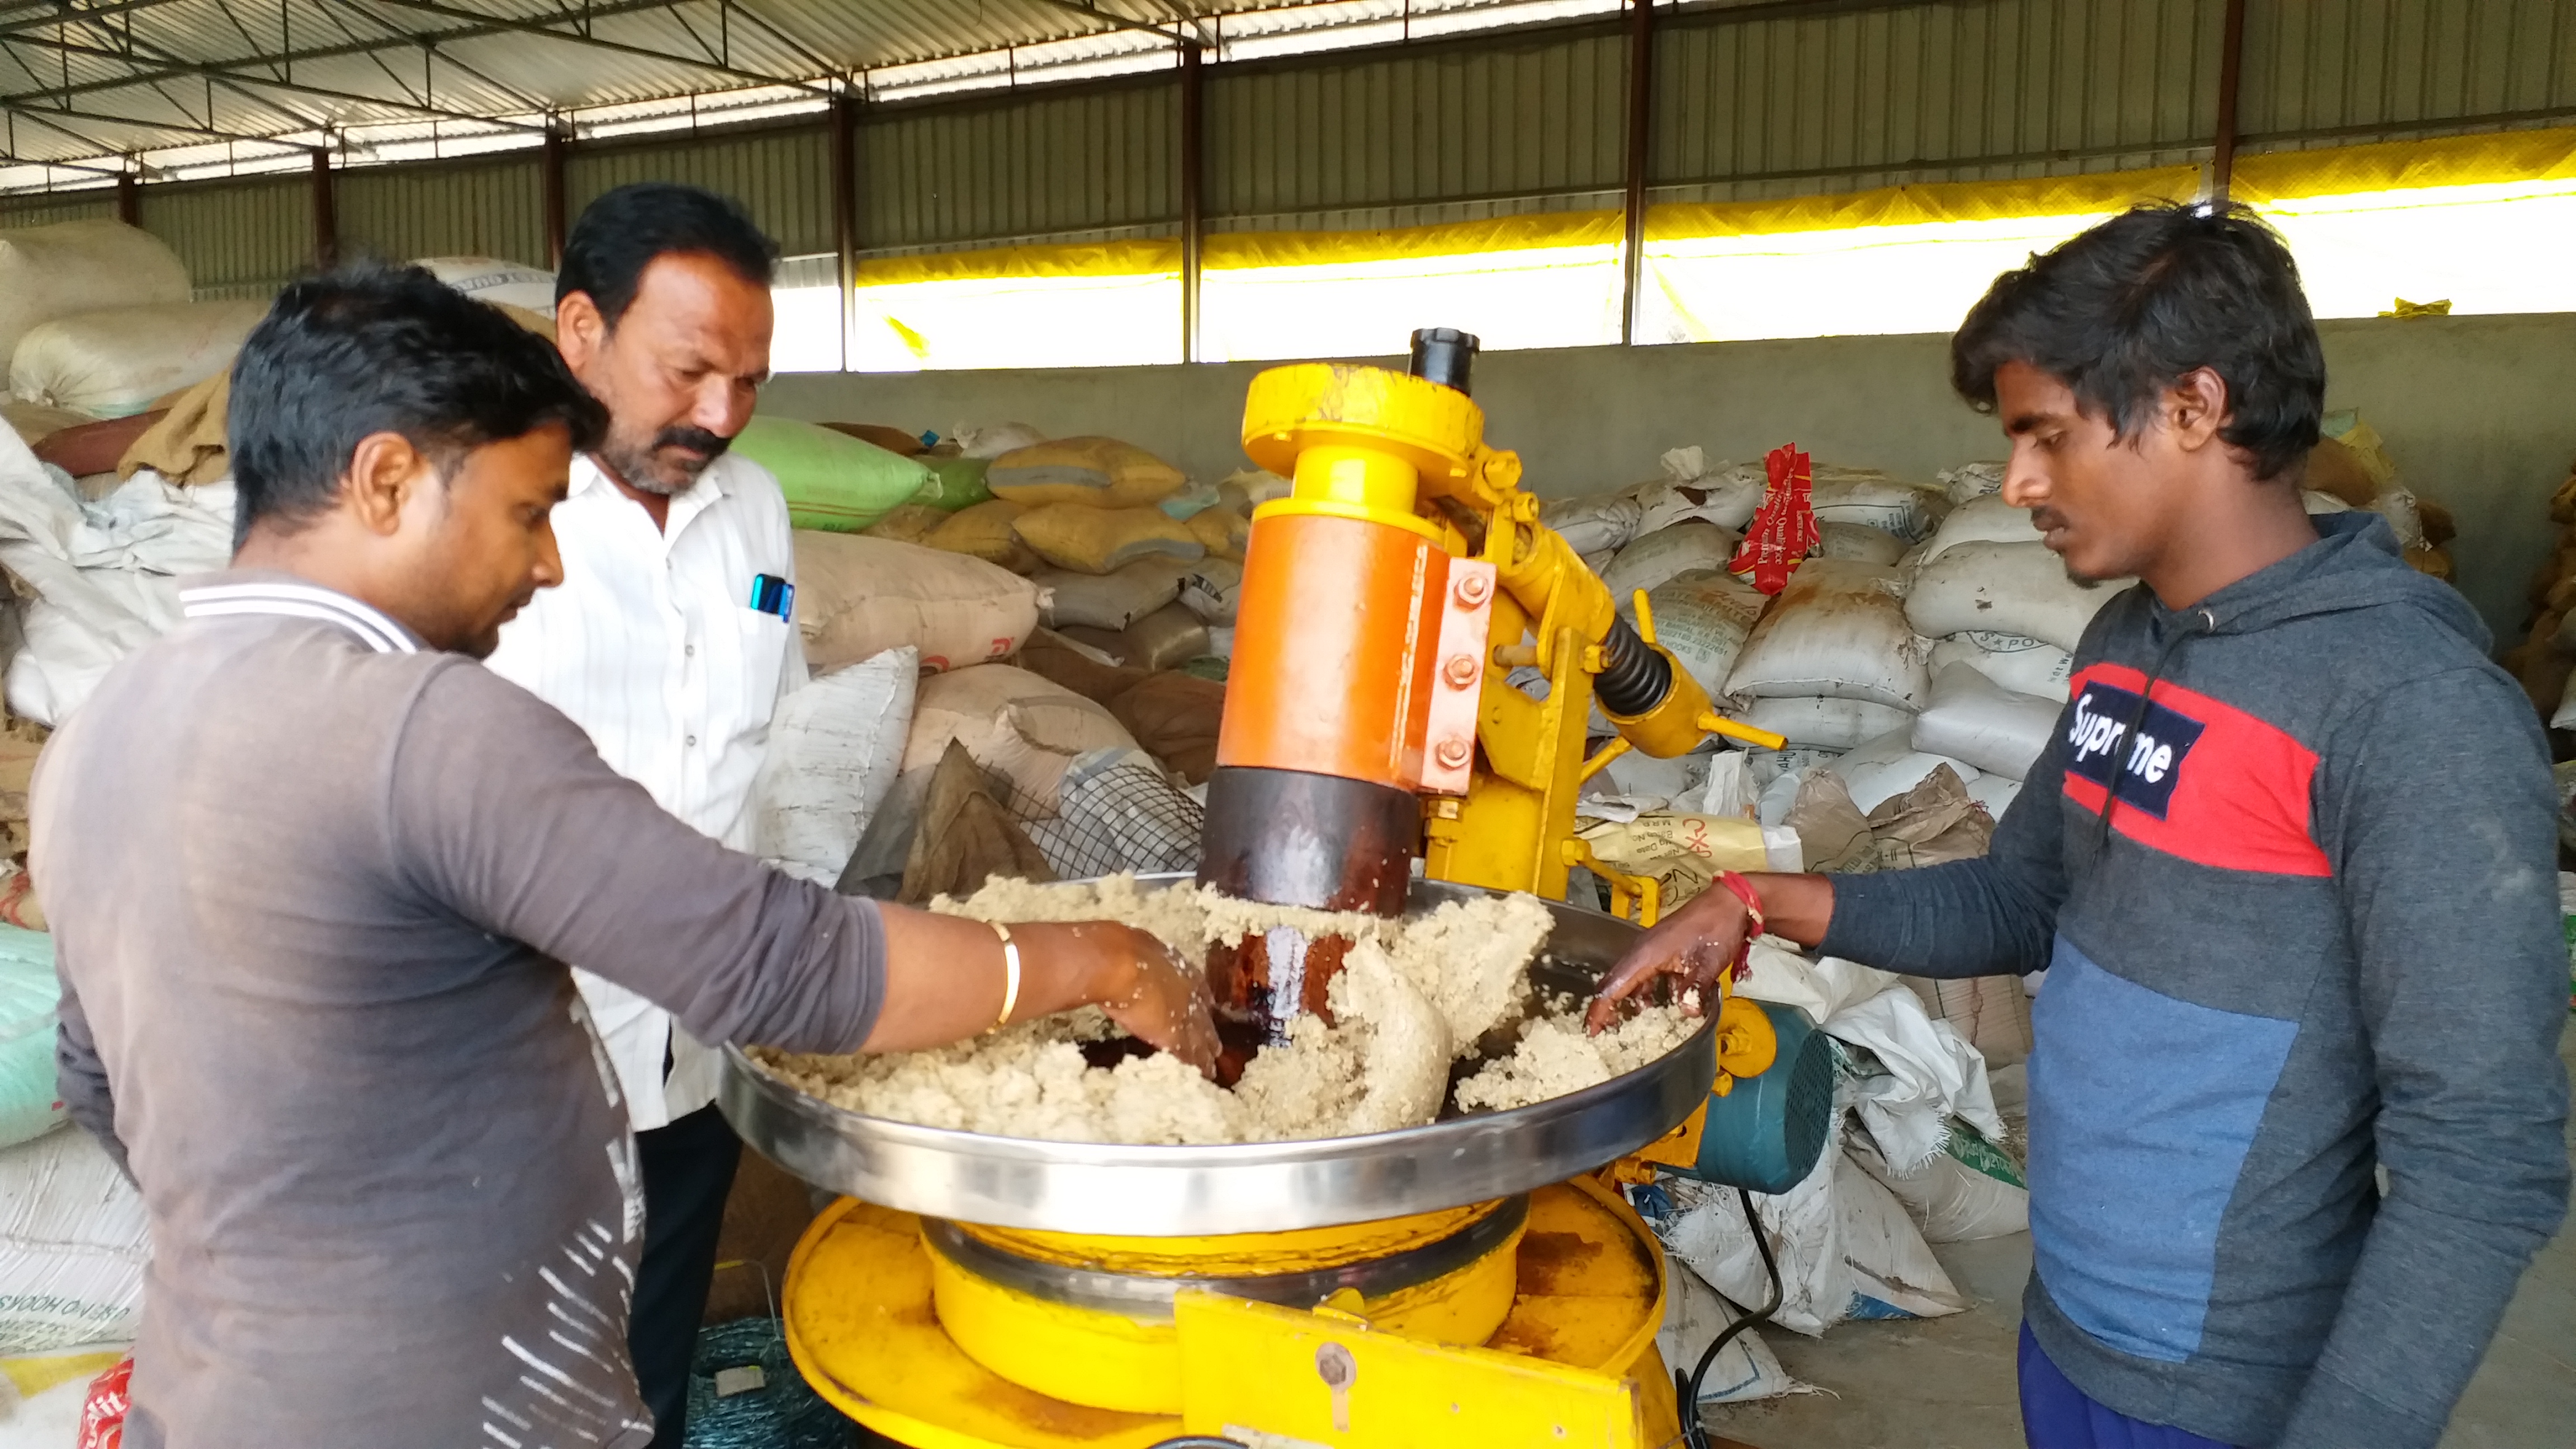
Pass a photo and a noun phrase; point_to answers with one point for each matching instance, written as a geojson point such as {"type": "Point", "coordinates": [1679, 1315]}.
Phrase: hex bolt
{"type": "Point", "coordinates": [1452, 752]}
{"type": "Point", "coordinates": [1460, 670]}
{"type": "Point", "coordinates": [1473, 587]}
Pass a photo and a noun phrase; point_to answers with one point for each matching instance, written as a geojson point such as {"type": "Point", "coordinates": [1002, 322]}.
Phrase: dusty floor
{"type": "Point", "coordinates": [1947, 1383]}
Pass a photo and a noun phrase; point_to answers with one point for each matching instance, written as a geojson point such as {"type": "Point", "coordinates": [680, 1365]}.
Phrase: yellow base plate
{"type": "Point", "coordinates": [863, 1330]}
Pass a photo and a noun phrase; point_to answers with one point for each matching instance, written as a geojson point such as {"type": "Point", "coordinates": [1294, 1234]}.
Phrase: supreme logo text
{"type": "Point", "coordinates": [2099, 746]}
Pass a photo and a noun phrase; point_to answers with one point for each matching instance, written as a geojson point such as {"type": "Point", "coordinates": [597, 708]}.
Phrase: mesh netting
{"type": "Point", "coordinates": [1117, 811]}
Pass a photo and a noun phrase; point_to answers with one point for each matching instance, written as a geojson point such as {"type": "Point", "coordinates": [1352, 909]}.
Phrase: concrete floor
{"type": "Point", "coordinates": [1947, 1383]}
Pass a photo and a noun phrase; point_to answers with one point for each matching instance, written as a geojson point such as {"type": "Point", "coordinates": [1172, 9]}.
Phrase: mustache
{"type": "Point", "coordinates": [696, 440]}
{"type": "Point", "coordinates": [2044, 519]}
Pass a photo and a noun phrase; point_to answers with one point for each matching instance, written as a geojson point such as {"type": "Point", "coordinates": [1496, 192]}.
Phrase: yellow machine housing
{"type": "Point", "coordinates": [1385, 601]}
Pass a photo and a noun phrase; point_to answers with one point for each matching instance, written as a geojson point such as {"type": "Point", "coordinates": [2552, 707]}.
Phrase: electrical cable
{"type": "Point", "coordinates": [1694, 1431]}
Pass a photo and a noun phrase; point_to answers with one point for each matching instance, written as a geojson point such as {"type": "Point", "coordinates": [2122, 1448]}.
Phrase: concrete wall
{"type": "Point", "coordinates": [2475, 410]}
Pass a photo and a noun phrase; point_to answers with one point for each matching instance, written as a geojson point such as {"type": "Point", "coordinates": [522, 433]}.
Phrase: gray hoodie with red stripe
{"type": "Point", "coordinates": [2318, 933]}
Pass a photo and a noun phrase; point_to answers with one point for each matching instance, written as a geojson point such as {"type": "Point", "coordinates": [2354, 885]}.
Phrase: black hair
{"type": "Point", "coordinates": [371, 348]}
{"type": "Point", "coordinates": [2122, 312]}
{"type": "Point", "coordinates": [621, 233]}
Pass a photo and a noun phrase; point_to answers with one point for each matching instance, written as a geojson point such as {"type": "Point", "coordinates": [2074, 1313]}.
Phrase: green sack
{"type": "Point", "coordinates": [1973, 1151]}
{"type": "Point", "coordinates": [28, 995]}
{"type": "Point", "coordinates": [832, 481]}
{"type": "Point", "coordinates": [956, 483]}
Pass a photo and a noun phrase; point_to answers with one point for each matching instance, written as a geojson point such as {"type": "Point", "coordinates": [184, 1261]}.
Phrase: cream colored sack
{"type": "Point", "coordinates": [1680, 852]}
{"type": "Point", "coordinates": [1837, 631]}
{"type": "Point", "coordinates": [1104, 540]}
{"type": "Point", "coordinates": [857, 597]}
{"type": "Point", "coordinates": [81, 266]}
{"type": "Point", "coordinates": [114, 363]}
{"type": "Point", "coordinates": [2009, 588]}
{"type": "Point", "coordinates": [1016, 725]}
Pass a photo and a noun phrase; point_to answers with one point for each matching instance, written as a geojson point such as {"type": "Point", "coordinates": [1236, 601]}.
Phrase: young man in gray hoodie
{"type": "Point", "coordinates": [2289, 861]}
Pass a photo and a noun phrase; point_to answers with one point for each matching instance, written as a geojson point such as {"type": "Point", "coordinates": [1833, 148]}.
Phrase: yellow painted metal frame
{"type": "Point", "coordinates": [865, 1331]}
{"type": "Point", "coordinates": [1108, 1360]}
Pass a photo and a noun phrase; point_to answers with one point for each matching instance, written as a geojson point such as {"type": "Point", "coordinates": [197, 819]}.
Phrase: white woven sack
{"type": "Point", "coordinates": [1838, 631]}
{"type": "Point", "coordinates": [2010, 588]}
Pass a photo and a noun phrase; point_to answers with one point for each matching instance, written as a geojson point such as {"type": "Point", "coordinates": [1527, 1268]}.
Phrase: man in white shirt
{"type": "Point", "coordinates": [669, 643]}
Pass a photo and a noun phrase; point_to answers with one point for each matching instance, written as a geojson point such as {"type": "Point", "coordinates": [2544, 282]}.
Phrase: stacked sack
{"type": "Point", "coordinates": [2002, 618]}
{"type": "Point", "coordinates": [2545, 660]}
{"type": "Point", "coordinates": [1134, 562]}
{"type": "Point", "coordinates": [1832, 661]}
{"type": "Point", "coordinates": [1021, 750]}
{"type": "Point", "coordinates": [2350, 469]}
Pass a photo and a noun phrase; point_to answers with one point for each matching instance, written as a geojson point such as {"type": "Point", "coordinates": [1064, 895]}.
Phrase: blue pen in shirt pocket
{"type": "Point", "coordinates": [771, 594]}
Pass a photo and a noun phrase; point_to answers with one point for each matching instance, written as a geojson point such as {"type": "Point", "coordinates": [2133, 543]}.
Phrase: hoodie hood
{"type": "Point", "coordinates": [2354, 564]}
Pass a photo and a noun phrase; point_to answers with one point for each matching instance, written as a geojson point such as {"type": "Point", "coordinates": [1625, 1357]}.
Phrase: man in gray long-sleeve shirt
{"type": "Point", "coordinates": [2288, 862]}
{"type": "Point", "coordinates": [313, 873]}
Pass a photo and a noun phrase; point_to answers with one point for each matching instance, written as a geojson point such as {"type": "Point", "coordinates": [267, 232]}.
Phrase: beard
{"type": "Point", "coordinates": [2047, 520]}
{"type": "Point", "coordinates": [653, 465]}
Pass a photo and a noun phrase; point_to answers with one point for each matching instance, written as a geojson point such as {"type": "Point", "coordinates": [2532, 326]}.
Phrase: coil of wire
{"type": "Point", "coordinates": [781, 1412]}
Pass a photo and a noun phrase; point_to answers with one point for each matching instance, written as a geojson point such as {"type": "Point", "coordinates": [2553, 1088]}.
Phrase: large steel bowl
{"type": "Point", "coordinates": [1077, 1187]}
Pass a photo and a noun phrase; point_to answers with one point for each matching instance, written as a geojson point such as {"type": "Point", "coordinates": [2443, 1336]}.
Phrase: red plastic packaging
{"type": "Point", "coordinates": [102, 1422]}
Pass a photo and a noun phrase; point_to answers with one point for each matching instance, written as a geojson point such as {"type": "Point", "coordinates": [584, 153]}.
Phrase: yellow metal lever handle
{"type": "Point", "coordinates": [1718, 724]}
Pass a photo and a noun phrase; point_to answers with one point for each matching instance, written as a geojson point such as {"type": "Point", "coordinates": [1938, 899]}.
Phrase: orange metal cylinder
{"type": "Point", "coordinates": [1335, 642]}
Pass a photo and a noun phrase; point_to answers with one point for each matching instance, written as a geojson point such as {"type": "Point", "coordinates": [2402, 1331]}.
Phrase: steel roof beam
{"type": "Point", "coordinates": [63, 14]}
{"type": "Point", "coordinates": [1120, 22]}
{"type": "Point", "coordinates": [48, 114]}
{"type": "Point", "coordinates": [60, 165]}
{"type": "Point", "coordinates": [572, 37]}
{"type": "Point", "coordinates": [231, 66]}
{"type": "Point", "coordinates": [151, 70]}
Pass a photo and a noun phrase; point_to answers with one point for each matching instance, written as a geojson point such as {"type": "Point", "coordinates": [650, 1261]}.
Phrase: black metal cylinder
{"type": "Point", "coordinates": [1444, 355]}
{"type": "Point", "coordinates": [1633, 678]}
{"type": "Point", "coordinates": [1290, 838]}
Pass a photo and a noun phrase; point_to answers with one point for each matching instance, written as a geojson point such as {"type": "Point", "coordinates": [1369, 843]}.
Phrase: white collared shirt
{"type": "Point", "coordinates": [651, 645]}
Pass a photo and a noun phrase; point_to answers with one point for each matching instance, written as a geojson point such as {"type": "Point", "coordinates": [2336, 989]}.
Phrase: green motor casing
{"type": "Point", "coordinates": [1766, 1134]}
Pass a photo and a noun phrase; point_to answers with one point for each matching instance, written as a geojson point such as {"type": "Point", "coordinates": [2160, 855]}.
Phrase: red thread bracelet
{"type": "Point", "coordinates": [1743, 890]}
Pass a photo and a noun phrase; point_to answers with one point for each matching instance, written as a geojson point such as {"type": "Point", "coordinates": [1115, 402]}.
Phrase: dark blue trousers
{"type": "Point", "coordinates": [2057, 1415]}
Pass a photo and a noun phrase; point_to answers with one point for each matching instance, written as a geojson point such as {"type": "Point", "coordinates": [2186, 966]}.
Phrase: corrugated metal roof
{"type": "Point", "coordinates": [111, 84]}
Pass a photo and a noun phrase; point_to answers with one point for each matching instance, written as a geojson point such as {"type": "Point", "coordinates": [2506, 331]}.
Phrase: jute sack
{"type": "Point", "coordinates": [1095, 472]}
{"type": "Point", "coordinates": [1016, 725]}
{"type": "Point", "coordinates": [857, 597]}
{"type": "Point", "coordinates": [1837, 631]}
{"type": "Point", "coordinates": [1223, 532]}
{"type": "Point", "coordinates": [2010, 588]}
{"type": "Point", "coordinates": [1104, 540]}
{"type": "Point", "coordinates": [1212, 589]}
{"type": "Point", "coordinates": [81, 266]}
{"type": "Point", "coordinates": [1164, 639]}
{"type": "Point", "coordinates": [984, 531]}
{"type": "Point", "coordinates": [1111, 601]}
{"type": "Point", "coordinates": [908, 523]}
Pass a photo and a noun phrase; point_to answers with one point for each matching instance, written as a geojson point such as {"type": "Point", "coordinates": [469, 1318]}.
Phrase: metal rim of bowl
{"type": "Point", "coordinates": [1147, 1297]}
{"type": "Point", "coordinates": [1166, 1191]}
